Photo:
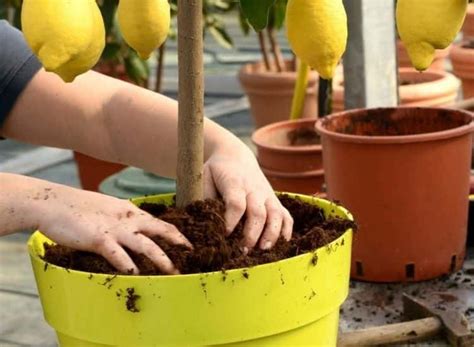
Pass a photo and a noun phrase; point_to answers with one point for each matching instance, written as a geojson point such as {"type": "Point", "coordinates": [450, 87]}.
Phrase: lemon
{"type": "Point", "coordinates": [144, 24]}
{"type": "Point", "coordinates": [426, 25]}
{"type": "Point", "coordinates": [68, 37]}
{"type": "Point", "coordinates": [317, 32]}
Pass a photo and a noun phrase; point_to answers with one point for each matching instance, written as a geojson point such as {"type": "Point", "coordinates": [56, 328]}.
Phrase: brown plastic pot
{"type": "Point", "coordinates": [439, 61]}
{"type": "Point", "coordinates": [462, 58]}
{"type": "Point", "coordinates": [430, 88]}
{"type": "Point", "coordinates": [404, 173]}
{"type": "Point", "coordinates": [93, 171]}
{"type": "Point", "coordinates": [468, 26]}
{"type": "Point", "coordinates": [270, 93]}
{"type": "Point", "coordinates": [289, 168]}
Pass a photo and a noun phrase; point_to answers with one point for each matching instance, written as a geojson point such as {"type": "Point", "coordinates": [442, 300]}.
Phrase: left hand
{"type": "Point", "coordinates": [236, 176]}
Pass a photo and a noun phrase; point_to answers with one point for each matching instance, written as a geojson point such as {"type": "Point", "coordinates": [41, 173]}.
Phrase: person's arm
{"type": "Point", "coordinates": [85, 221]}
{"type": "Point", "coordinates": [120, 122]}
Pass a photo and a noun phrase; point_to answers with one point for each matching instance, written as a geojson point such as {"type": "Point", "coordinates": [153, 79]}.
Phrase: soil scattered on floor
{"type": "Point", "coordinates": [203, 224]}
{"type": "Point", "coordinates": [303, 137]}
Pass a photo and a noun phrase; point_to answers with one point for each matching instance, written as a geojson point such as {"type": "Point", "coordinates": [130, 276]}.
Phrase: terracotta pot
{"type": "Point", "coordinates": [289, 168]}
{"type": "Point", "coordinates": [462, 58]}
{"type": "Point", "coordinates": [275, 153]}
{"type": "Point", "coordinates": [439, 62]}
{"type": "Point", "coordinates": [430, 88]}
{"type": "Point", "coordinates": [404, 173]}
{"type": "Point", "coordinates": [468, 27]}
{"type": "Point", "coordinates": [270, 93]}
{"type": "Point", "coordinates": [93, 171]}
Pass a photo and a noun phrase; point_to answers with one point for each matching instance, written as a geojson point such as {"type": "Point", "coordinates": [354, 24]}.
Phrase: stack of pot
{"type": "Point", "coordinates": [462, 55]}
{"type": "Point", "coordinates": [290, 168]}
{"type": "Point", "coordinates": [430, 88]}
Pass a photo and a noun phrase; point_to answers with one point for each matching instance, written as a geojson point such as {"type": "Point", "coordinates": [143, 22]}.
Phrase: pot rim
{"type": "Point", "coordinates": [258, 134]}
{"type": "Point", "coordinates": [459, 46]}
{"type": "Point", "coordinates": [244, 73]}
{"type": "Point", "coordinates": [398, 139]}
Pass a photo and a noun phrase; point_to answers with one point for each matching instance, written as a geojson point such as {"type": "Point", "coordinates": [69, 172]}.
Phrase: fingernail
{"type": "Point", "coordinates": [267, 245]}
{"type": "Point", "coordinates": [245, 250]}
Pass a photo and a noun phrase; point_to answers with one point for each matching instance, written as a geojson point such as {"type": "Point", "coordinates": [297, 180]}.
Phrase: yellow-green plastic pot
{"type": "Point", "coordinates": [294, 302]}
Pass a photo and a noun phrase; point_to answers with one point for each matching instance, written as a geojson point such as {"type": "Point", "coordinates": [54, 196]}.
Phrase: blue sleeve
{"type": "Point", "coordinates": [18, 65]}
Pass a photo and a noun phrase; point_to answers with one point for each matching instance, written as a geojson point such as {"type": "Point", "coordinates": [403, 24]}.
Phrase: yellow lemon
{"type": "Point", "coordinates": [426, 25]}
{"type": "Point", "coordinates": [144, 24]}
{"type": "Point", "coordinates": [317, 32]}
{"type": "Point", "coordinates": [68, 37]}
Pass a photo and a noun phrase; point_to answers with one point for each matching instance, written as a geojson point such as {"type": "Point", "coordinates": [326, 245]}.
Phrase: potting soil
{"type": "Point", "coordinates": [203, 224]}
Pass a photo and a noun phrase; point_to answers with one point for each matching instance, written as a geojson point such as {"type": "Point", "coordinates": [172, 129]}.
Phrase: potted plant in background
{"type": "Point", "coordinates": [430, 88]}
{"type": "Point", "coordinates": [118, 60]}
{"type": "Point", "coordinates": [405, 171]}
{"type": "Point", "coordinates": [290, 152]}
{"type": "Point", "coordinates": [468, 26]}
{"type": "Point", "coordinates": [269, 83]}
{"type": "Point", "coordinates": [462, 58]}
{"type": "Point", "coordinates": [93, 309]}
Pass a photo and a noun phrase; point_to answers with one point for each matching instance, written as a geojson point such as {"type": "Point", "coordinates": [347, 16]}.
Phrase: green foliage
{"type": "Point", "coordinates": [257, 12]}
{"type": "Point", "coordinates": [261, 14]}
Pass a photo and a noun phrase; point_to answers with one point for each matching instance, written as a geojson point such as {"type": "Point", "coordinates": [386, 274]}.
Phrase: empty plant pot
{"type": "Point", "coordinates": [404, 173]}
{"type": "Point", "coordinates": [439, 61]}
{"type": "Point", "coordinates": [468, 26]}
{"type": "Point", "coordinates": [93, 171]}
{"type": "Point", "coordinates": [270, 93]}
{"type": "Point", "coordinates": [294, 302]}
{"type": "Point", "coordinates": [290, 155]}
{"type": "Point", "coordinates": [430, 88]}
{"type": "Point", "coordinates": [462, 58]}
{"type": "Point", "coordinates": [306, 182]}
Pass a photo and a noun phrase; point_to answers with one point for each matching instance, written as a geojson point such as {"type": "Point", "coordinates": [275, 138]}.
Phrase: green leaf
{"type": "Point", "coordinates": [3, 10]}
{"type": "Point", "coordinates": [137, 69]}
{"type": "Point", "coordinates": [244, 23]}
{"type": "Point", "coordinates": [221, 36]}
{"type": "Point", "coordinates": [111, 51]}
{"type": "Point", "coordinates": [108, 9]}
{"type": "Point", "coordinates": [257, 12]}
{"type": "Point", "coordinates": [17, 19]}
{"type": "Point", "coordinates": [279, 13]}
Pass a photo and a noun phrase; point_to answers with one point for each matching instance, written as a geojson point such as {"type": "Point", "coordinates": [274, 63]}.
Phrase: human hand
{"type": "Point", "coordinates": [104, 225]}
{"type": "Point", "coordinates": [235, 175]}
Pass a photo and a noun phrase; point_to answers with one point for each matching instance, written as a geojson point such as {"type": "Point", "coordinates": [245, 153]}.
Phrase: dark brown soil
{"type": "Point", "coordinates": [203, 224]}
{"type": "Point", "coordinates": [303, 137]}
{"type": "Point", "coordinates": [397, 122]}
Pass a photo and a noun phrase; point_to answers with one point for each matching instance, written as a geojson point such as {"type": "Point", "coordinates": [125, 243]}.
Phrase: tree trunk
{"type": "Point", "coordinates": [159, 67]}
{"type": "Point", "coordinates": [263, 49]}
{"type": "Point", "coordinates": [191, 103]}
{"type": "Point", "coordinates": [277, 56]}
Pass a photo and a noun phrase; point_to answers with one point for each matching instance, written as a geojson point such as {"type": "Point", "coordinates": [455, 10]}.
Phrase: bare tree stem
{"type": "Point", "coordinates": [191, 103]}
